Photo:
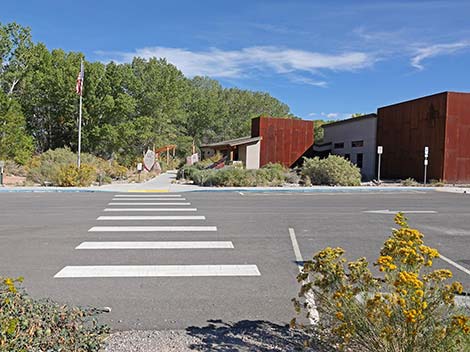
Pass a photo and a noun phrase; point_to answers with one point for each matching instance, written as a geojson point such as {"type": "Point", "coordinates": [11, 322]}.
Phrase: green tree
{"type": "Point", "coordinates": [15, 55]}
{"type": "Point", "coordinates": [318, 131]}
{"type": "Point", "coordinates": [126, 107]}
{"type": "Point", "coordinates": [15, 143]}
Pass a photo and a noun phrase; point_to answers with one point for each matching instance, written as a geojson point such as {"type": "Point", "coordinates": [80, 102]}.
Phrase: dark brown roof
{"type": "Point", "coordinates": [232, 142]}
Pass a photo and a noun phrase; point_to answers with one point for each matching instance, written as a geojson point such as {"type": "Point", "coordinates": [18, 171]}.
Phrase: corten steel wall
{"type": "Point", "coordinates": [404, 130]}
{"type": "Point", "coordinates": [284, 140]}
{"type": "Point", "coordinates": [457, 145]}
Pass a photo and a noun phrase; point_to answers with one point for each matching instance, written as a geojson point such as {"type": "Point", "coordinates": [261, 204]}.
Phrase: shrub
{"type": "Point", "coordinates": [202, 177]}
{"type": "Point", "coordinates": [56, 167]}
{"type": "Point", "coordinates": [72, 176]}
{"type": "Point", "coordinates": [45, 168]}
{"type": "Point", "coordinates": [231, 177]}
{"type": "Point", "coordinates": [30, 325]}
{"type": "Point", "coordinates": [292, 177]}
{"type": "Point", "coordinates": [437, 183]}
{"type": "Point", "coordinates": [409, 182]}
{"type": "Point", "coordinates": [186, 171]}
{"type": "Point", "coordinates": [411, 309]}
{"type": "Point", "coordinates": [276, 174]}
{"type": "Point", "coordinates": [13, 168]}
{"type": "Point", "coordinates": [269, 175]}
{"type": "Point", "coordinates": [332, 171]}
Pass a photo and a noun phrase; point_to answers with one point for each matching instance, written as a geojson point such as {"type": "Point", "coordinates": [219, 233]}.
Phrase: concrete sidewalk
{"type": "Point", "coordinates": [165, 183]}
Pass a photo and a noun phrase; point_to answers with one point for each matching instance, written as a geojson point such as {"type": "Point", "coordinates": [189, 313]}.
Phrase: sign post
{"type": "Point", "coordinates": [380, 151]}
{"type": "Point", "coordinates": [2, 165]}
{"type": "Point", "coordinates": [139, 169]}
{"type": "Point", "coordinates": [426, 154]}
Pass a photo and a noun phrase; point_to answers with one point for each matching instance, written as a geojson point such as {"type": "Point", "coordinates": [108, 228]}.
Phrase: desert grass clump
{"type": "Point", "coordinates": [412, 308]}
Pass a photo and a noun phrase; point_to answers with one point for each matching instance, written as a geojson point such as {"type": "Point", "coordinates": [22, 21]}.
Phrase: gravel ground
{"type": "Point", "coordinates": [218, 336]}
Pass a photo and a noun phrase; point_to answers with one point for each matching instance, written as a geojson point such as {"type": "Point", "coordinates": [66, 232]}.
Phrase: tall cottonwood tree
{"type": "Point", "coordinates": [126, 107]}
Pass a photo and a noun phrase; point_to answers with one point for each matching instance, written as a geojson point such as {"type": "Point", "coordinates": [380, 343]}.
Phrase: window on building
{"type": "Point", "coordinates": [338, 145]}
{"type": "Point", "coordinates": [359, 159]}
{"type": "Point", "coordinates": [347, 156]}
{"type": "Point", "coordinates": [357, 144]}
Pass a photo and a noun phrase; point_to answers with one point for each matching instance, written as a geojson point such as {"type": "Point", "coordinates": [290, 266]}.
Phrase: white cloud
{"type": "Point", "coordinates": [331, 115]}
{"type": "Point", "coordinates": [436, 50]}
{"type": "Point", "coordinates": [307, 80]}
{"type": "Point", "coordinates": [240, 63]}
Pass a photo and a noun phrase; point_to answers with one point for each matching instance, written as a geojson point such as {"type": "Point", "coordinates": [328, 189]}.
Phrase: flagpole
{"type": "Point", "coordinates": [79, 132]}
{"type": "Point", "coordinates": [80, 116]}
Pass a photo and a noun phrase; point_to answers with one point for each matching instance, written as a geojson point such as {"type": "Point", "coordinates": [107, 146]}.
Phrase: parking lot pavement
{"type": "Point", "coordinates": [226, 256]}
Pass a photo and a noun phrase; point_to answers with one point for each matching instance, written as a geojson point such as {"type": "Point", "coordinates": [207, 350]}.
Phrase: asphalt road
{"type": "Point", "coordinates": [40, 231]}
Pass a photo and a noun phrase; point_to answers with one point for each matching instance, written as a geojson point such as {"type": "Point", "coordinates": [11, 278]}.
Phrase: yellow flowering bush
{"type": "Point", "coordinates": [412, 308]}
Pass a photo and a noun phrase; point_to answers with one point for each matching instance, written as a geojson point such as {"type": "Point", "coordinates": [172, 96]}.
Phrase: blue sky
{"type": "Point", "coordinates": [324, 59]}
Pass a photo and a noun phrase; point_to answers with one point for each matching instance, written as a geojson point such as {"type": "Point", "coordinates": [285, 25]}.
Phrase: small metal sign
{"type": "Point", "coordinates": [426, 151]}
{"type": "Point", "coordinates": [139, 167]}
{"type": "Point", "coordinates": [380, 149]}
{"type": "Point", "coordinates": [149, 160]}
{"type": "Point", "coordinates": [2, 163]}
{"type": "Point", "coordinates": [426, 162]}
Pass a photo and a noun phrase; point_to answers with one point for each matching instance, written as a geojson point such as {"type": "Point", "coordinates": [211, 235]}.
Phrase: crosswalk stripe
{"type": "Point", "coordinates": [152, 228]}
{"type": "Point", "coordinates": [149, 203]}
{"type": "Point", "coordinates": [147, 199]}
{"type": "Point", "coordinates": [157, 245]}
{"type": "Point", "coordinates": [148, 195]}
{"type": "Point", "coordinates": [157, 271]}
{"type": "Point", "coordinates": [156, 217]}
{"type": "Point", "coordinates": [150, 209]}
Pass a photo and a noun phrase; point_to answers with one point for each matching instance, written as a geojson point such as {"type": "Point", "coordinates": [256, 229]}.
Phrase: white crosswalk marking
{"type": "Point", "coordinates": [157, 271]}
{"type": "Point", "coordinates": [148, 195]}
{"type": "Point", "coordinates": [157, 245]}
{"type": "Point", "coordinates": [125, 203]}
{"type": "Point", "coordinates": [150, 209]}
{"type": "Point", "coordinates": [146, 199]}
{"type": "Point", "coordinates": [151, 228]}
{"type": "Point", "coordinates": [155, 217]}
{"type": "Point", "coordinates": [164, 203]}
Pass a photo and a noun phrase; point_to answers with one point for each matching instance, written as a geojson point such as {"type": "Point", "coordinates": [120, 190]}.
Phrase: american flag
{"type": "Point", "coordinates": [81, 75]}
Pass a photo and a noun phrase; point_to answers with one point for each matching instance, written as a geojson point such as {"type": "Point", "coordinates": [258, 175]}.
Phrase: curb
{"type": "Point", "coordinates": [53, 190]}
{"type": "Point", "coordinates": [317, 190]}
{"type": "Point", "coordinates": [227, 189]}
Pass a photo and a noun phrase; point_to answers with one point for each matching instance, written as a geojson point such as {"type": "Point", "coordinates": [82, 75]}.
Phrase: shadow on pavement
{"type": "Point", "coordinates": [247, 335]}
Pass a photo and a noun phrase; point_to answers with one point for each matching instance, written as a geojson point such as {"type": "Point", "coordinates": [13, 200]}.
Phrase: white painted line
{"type": "Point", "coordinates": [310, 299]}
{"type": "Point", "coordinates": [150, 209]}
{"type": "Point", "coordinates": [148, 195]}
{"type": "Point", "coordinates": [149, 203]}
{"type": "Point", "coordinates": [152, 228]}
{"type": "Point", "coordinates": [386, 211]}
{"type": "Point", "coordinates": [156, 217]}
{"type": "Point", "coordinates": [157, 245]}
{"type": "Point", "coordinates": [458, 266]}
{"type": "Point", "coordinates": [146, 199]}
{"type": "Point", "coordinates": [295, 245]}
{"type": "Point", "coordinates": [157, 271]}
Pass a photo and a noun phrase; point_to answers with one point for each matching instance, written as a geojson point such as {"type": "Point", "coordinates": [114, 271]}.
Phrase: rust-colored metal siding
{"type": "Point", "coordinates": [404, 130]}
{"type": "Point", "coordinates": [283, 140]}
{"type": "Point", "coordinates": [457, 139]}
